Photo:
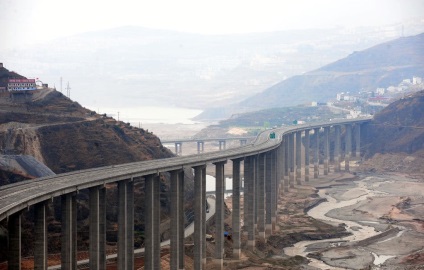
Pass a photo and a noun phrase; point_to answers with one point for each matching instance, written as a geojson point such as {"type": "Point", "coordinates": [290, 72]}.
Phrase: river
{"type": "Point", "coordinates": [359, 231]}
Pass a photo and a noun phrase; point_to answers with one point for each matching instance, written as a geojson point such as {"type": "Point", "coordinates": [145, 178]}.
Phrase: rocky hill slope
{"type": "Point", "coordinates": [395, 137]}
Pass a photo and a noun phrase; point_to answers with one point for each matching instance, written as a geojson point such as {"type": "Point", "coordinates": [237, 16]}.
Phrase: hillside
{"type": "Point", "coordinates": [379, 66]}
{"type": "Point", "coordinates": [46, 133]}
{"type": "Point", "coordinates": [65, 136]}
{"type": "Point", "coordinates": [395, 137]}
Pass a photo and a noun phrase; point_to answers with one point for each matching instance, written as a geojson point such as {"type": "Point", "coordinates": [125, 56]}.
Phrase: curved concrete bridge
{"type": "Point", "coordinates": [270, 165]}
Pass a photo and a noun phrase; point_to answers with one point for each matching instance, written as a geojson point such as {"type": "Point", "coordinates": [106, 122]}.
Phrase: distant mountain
{"type": "Point", "coordinates": [379, 66]}
{"type": "Point", "coordinates": [135, 66]}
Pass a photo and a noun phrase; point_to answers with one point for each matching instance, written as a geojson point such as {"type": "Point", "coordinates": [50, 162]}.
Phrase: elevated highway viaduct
{"type": "Point", "coordinates": [272, 164]}
{"type": "Point", "coordinates": [201, 143]}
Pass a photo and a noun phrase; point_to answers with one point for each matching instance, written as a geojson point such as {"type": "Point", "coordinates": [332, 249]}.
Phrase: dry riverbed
{"type": "Point", "coordinates": [345, 221]}
{"type": "Point", "coordinates": [384, 216]}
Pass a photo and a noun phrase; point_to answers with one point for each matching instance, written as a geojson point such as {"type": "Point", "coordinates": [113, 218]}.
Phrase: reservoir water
{"type": "Point", "coordinates": [150, 114]}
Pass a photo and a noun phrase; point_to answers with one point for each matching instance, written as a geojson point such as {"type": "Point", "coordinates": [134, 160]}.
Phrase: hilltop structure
{"type": "Point", "coordinates": [16, 86]}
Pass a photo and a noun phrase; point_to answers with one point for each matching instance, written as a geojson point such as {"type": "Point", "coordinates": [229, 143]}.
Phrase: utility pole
{"type": "Point", "coordinates": [118, 116]}
{"type": "Point", "coordinates": [68, 91]}
{"type": "Point", "coordinates": [61, 84]}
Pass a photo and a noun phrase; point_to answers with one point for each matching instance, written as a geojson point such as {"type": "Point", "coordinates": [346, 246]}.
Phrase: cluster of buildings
{"type": "Point", "coordinates": [359, 104]}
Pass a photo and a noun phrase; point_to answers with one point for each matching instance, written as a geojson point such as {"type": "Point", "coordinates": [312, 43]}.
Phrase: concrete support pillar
{"type": "Point", "coordinates": [307, 158]}
{"type": "Point", "coordinates": [69, 232]}
{"type": "Point", "coordinates": [246, 165]}
{"type": "Point", "coordinates": [40, 241]}
{"type": "Point", "coordinates": [256, 189]}
{"type": "Point", "coordinates": [348, 146]}
{"type": "Point", "coordinates": [178, 148]}
{"type": "Point", "coordinates": [14, 252]}
{"type": "Point", "coordinates": [199, 238]}
{"type": "Point", "coordinates": [358, 140]}
{"type": "Point", "coordinates": [337, 144]}
{"type": "Point", "coordinates": [268, 191]}
{"type": "Point", "coordinates": [219, 215]}
{"type": "Point", "coordinates": [200, 147]}
{"type": "Point", "coordinates": [261, 196]}
{"type": "Point", "coordinates": [291, 159]}
{"type": "Point", "coordinates": [316, 153]}
{"type": "Point", "coordinates": [236, 209]}
{"type": "Point", "coordinates": [326, 150]}
{"type": "Point", "coordinates": [222, 145]}
{"type": "Point", "coordinates": [280, 162]}
{"type": "Point", "coordinates": [126, 224]}
{"type": "Point", "coordinates": [148, 237]}
{"type": "Point", "coordinates": [156, 223]}
{"type": "Point", "coordinates": [97, 219]}
{"type": "Point", "coordinates": [181, 219]}
{"type": "Point", "coordinates": [274, 188]}
{"type": "Point", "coordinates": [152, 223]}
{"type": "Point", "coordinates": [250, 201]}
{"type": "Point", "coordinates": [286, 163]}
{"type": "Point", "coordinates": [204, 216]}
{"type": "Point", "coordinates": [175, 212]}
{"type": "Point", "coordinates": [298, 157]}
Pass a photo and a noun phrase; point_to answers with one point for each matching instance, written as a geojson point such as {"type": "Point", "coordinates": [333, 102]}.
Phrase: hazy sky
{"type": "Point", "coordinates": [35, 20]}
